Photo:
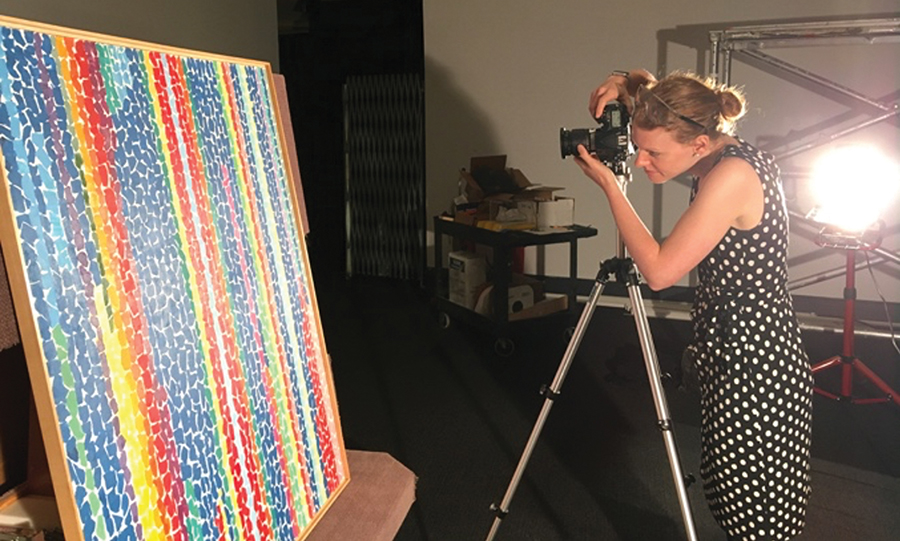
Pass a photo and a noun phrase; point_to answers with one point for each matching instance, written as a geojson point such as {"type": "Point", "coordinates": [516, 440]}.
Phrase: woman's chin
{"type": "Point", "coordinates": [655, 177]}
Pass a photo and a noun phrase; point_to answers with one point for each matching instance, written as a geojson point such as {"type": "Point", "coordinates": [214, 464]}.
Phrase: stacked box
{"type": "Point", "coordinates": [468, 274]}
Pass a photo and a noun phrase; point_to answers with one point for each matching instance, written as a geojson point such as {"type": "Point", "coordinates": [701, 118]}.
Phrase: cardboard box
{"type": "Point", "coordinates": [489, 180]}
{"type": "Point", "coordinates": [468, 275]}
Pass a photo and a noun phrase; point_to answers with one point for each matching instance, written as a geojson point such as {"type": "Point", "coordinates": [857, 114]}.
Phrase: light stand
{"type": "Point", "coordinates": [847, 360]}
{"type": "Point", "coordinates": [625, 271]}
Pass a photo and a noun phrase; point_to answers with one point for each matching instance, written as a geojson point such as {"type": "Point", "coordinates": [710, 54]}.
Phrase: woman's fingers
{"type": "Point", "coordinates": [604, 94]}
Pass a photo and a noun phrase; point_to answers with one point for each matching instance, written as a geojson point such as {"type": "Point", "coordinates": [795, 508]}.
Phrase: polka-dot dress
{"type": "Point", "coordinates": [754, 375]}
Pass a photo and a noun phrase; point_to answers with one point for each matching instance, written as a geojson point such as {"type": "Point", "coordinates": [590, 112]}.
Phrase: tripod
{"type": "Point", "coordinates": [625, 272]}
{"type": "Point", "coordinates": [847, 360]}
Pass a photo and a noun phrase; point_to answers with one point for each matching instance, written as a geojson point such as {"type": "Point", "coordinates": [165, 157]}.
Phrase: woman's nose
{"type": "Point", "coordinates": [640, 159]}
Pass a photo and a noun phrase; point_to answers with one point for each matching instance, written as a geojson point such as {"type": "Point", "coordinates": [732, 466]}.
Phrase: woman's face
{"type": "Point", "coordinates": [660, 155]}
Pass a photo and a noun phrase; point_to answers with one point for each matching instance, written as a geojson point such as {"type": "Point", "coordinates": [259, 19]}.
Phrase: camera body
{"type": "Point", "coordinates": [610, 141]}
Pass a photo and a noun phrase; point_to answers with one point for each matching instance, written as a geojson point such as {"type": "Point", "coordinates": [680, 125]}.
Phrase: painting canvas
{"type": "Point", "coordinates": [163, 291]}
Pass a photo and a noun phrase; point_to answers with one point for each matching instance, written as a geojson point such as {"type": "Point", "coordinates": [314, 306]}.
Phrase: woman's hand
{"type": "Point", "coordinates": [596, 170]}
{"type": "Point", "coordinates": [618, 87]}
{"type": "Point", "coordinates": [614, 88]}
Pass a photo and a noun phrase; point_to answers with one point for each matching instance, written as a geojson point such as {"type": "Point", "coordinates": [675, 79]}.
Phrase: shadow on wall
{"type": "Point", "coordinates": [455, 130]}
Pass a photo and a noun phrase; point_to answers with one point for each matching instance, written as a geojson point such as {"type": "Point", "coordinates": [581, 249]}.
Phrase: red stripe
{"type": "Point", "coordinates": [236, 408]}
{"type": "Point", "coordinates": [246, 272]}
{"type": "Point", "coordinates": [101, 145]}
{"type": "Point", "coordinates": [313, 358]}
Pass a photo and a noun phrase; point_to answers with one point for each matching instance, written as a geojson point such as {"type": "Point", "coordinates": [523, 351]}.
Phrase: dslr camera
{"type": "Point", "coordinates": [610, 141]}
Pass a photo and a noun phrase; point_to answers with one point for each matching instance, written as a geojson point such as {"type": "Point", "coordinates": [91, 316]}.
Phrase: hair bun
{"type": "Point", "coordinates": [731, 103]}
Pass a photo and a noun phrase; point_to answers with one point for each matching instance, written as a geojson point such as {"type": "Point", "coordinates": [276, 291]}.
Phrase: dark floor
{"type": "Point", "coordinates": [445, 405]}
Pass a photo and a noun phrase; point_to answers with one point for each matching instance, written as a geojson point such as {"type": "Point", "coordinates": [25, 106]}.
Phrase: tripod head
{"type": "Point", "coordinates": [623, 268]}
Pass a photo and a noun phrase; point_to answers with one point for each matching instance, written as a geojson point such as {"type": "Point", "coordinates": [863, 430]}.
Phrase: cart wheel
{"type": "Point", "coordinates": [444, 320]}
{"type": "Point", "coordinates": [504, 347]}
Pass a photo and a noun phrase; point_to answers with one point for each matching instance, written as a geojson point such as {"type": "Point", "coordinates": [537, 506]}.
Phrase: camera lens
{"type": "Point", "coordinates": [610, 143]}
{"type": "Point", "coordinates": [570, 139]}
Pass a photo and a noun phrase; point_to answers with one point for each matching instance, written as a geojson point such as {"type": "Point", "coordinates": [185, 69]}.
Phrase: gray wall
{"type": "Point", "coordinates": [240, 28]}
{"type": "Point", "coordinates": [503, 76]}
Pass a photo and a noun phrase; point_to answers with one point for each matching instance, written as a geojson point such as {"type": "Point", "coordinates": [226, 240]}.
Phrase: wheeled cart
{"type": "Point", "coordinates": [502, 244]}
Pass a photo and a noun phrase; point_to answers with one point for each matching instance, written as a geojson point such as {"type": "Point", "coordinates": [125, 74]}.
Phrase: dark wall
{"type": "Point", "coordinates": [344, 38]}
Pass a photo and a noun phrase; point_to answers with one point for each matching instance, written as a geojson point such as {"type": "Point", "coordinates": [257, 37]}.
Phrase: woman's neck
{"type": "Point", "coordinates": [717, 147]}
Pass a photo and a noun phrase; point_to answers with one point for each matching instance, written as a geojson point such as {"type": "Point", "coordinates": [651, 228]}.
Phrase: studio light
{"type": "Point", "coordinates": [852, 187]}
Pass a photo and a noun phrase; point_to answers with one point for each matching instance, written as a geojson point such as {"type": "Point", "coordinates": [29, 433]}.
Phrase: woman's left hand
{"type": "Point", "coordinates": [596, 170]}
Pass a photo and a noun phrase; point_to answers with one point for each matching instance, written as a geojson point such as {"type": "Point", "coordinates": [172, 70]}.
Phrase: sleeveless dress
{"type": "Point", "coordinates": [754, 375]}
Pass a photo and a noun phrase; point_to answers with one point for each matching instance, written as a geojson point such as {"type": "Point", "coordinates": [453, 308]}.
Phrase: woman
{"type": "Point", "coordinates": [754, 375]}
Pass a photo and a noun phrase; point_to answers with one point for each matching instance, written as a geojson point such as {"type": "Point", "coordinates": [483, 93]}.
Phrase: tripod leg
{"type": "Point", "coordinates": [890, 394]}
{"type": "Point", "coordinates": [662, 409]}
{"type": "Point", "coordinates": [550, 394]}
{"type": "Point", "coordinates": [825, 365]}
{"type": "Point", "coordinates": [849, 366]}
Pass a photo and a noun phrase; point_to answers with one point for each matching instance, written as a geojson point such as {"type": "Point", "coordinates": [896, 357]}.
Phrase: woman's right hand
{"type": "Point", "coordinates": [614, 88]}
{"type": "Point", "coordinates": [618, 87]}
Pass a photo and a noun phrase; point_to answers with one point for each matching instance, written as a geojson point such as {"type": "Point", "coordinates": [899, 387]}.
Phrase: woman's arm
{"type": "Point", "coordinates": [726, 196]}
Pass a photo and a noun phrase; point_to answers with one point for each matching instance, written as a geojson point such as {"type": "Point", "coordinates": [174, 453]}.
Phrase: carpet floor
{"type": "Point", "coordinates": [443, 403]}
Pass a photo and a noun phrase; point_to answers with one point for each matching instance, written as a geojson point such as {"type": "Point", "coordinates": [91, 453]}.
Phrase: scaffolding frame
{"type": "Point", "coordinates": [748, 42]}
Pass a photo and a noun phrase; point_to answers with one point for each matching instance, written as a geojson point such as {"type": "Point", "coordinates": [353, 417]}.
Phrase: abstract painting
{"type": "Point", "coordinates": [163, 291]}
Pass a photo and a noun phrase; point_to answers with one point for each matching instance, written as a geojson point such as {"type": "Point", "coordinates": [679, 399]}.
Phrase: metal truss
{"type": "Point", "coordinates": [748, 42]}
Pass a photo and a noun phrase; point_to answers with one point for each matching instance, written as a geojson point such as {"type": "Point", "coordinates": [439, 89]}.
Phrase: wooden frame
{"type": "Point", "coordinates": [163, 290]}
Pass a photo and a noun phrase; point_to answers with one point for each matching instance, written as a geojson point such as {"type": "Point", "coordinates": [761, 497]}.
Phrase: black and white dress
{"type": "Point", "coordinates": [754, 375]}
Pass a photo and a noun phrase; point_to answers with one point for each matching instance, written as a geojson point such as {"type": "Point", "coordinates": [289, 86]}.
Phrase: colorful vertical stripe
{"type": "Point", "coordinates": [170, 290]}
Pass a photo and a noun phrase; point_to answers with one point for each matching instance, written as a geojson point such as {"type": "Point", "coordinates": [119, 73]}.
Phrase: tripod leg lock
{"type": "Point", "coordinates": [549, 393]}
{"type": "Point", "coordinates": [498, 512]}
{"type": "Point", "coordinates": [664, 425]}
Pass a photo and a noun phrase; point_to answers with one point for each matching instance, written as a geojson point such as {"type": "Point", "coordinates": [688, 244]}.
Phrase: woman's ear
{"type": "Point", "coordinates": [700, 145]}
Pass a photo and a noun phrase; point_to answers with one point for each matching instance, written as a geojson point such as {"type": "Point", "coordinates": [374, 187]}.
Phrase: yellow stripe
{"type": "Point", "coordinates": [292, 341]}
{"type": "Point", "coordinates": [112, 337]}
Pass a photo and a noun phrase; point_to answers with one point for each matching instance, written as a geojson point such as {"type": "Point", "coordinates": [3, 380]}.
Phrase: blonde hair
{"type": "Point", "coordinates": [687, 106]}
